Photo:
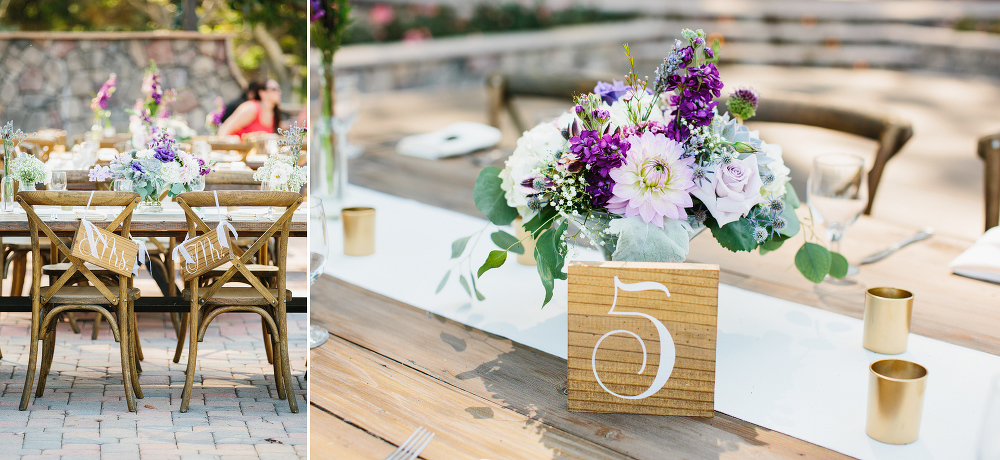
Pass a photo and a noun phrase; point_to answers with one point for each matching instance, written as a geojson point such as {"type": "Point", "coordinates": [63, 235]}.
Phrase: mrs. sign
{"type": "Point", "coordinates": [642, 338]}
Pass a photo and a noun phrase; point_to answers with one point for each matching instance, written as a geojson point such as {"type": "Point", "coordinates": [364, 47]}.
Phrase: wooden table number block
{"type": "Point", "coordinates": [206, 253]}
{"type": "Point", "coordinates": [642, 338]}
{"type": "Point", "coordinates": [116, 254]}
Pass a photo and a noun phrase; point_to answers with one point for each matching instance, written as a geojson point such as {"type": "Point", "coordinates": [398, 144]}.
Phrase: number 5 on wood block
{"type": "Point", "coordinates": [642, 338]}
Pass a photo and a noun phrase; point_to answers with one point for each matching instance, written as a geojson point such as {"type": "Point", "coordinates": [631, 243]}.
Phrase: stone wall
{"type": "Point", "coordinates": [48, 79]}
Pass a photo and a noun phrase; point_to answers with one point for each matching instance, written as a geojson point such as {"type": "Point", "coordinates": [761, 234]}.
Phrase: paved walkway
{"type": "Point", "coordinates": [234, 412]}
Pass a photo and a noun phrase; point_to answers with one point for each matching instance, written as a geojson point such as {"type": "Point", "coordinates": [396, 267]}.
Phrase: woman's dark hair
{"type": "Point", "coordinates": [253, 94]}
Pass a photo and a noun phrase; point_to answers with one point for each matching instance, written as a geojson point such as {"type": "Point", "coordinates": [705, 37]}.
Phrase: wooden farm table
{"type": "Point", "coordinates": [390, 367]}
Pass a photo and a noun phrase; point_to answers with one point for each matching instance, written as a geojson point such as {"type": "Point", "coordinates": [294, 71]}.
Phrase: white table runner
{"type": "Point", "coordinates": [791, 368]}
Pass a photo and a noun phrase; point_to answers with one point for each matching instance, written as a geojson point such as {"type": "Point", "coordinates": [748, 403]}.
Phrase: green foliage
{"type": "Point", "coordinates": [507, 242]}
{"type": "Point", "coordinates": [735, 236]}
{"type": "Point", "coordinates": [494, 260]}
{"type": "Point", "coordinates": [550, 258]}
{"type": "Point", "coordinates": [838, 265]}
{"type": "Point", "coordinates": [813, 261]}
{"type": "Point", "coordinates": [442, 21]}
{"type": "Point", "coordinates": [443, 282]}
{"type": "Point", "coordinates": [458, 246]}
{"type": "Point", "coordinates": [792, 224]}
{"type": "Point", "coordinates": [490, 198]}
{"type": "Point", "coordinates": [772, 244]}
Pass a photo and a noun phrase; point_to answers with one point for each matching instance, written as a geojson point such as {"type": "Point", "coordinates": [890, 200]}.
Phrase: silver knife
{"type": "Point", "coordinates": [921, 235]}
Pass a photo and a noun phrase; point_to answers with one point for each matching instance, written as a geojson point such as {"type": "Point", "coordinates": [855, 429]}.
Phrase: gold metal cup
{"type": "Point", "coordinates": [528, 258]}
{"type": "Point", "coordinates": [895, 400]}
{"type": "Point", "coordinates": [359, 231]}
{"type": "Point", "coordinates": [887, 320]}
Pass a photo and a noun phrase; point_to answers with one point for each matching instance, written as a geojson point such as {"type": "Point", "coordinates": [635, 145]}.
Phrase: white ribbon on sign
{"type": "Point", "coordinates": [223, 225]}
{"type": "Point", "coordinates": [141, 256]}
{"type": "Point", "coordinates": [93, 235]}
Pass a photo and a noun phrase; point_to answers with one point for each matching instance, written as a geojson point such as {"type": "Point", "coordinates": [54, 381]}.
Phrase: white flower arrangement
{"type": "Point", "coordinates": [28, 169]}
{"type": "Point", "coordinates": [282, 171]}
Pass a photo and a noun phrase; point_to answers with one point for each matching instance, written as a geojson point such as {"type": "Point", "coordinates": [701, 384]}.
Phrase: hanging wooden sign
{"type": "Point", "coordinates": [206, 253]}
{"type": "Point", "coordinates": [104, 249]}
{"type": "Point", "coordinates": [642, 338]}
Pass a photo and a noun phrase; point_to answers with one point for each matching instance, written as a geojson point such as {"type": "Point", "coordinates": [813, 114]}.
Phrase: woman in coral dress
{"type": "Point", "coordinates": [257, 115]}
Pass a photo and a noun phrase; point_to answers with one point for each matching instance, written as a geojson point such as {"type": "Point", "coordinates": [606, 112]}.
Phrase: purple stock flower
{"type": "Point", "coordinates": [220, 110]}
{"type": "Point", "coordinates": [601, 154]}
{"type": "Point", "coordinates": [100, 101]}
{"type": "Point", "coordinates": [203, 169]}
{"type": "Point", "coordinates": [611, 92]}
{"type": "Point", "coordinates": [693, 103]}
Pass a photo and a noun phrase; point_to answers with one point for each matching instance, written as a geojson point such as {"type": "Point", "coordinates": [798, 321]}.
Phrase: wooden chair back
{"type": "Point", "coordinates": [279, 228]}
{"type": "Point", "coordinates": [988, 149]}
{"type": "Point", "coordinates": [37, 227]}
{"type": "Point", "coordinates": [890, 134]}
{"type": "Point", "coordinates": [502, 88]}
{"type": "Point", "coordinates": [231, 180]}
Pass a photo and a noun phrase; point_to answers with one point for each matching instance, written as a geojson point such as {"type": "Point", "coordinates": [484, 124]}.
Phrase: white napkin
{"type": "Point", "coordinates": [455, 139]}
{"type": "Point", "coordinates": [982, 260]}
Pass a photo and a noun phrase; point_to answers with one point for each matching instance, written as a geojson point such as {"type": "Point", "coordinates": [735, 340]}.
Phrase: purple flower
{"type": "Point", "coordinates": [601, 154]}
{"type": "Point", "coordinates": [693, 102]}
{"type": "Point", "coordinates": [100, 174]}
{"type": "Point", "coordinates": [100, 101]}
{"type": "Point", "coordinates": [611, 92]}
{"type": "Point", "coordinates": [220, 110]}
{"type": "Point", "coordinates": [164, 147]}
{"type": "Point", "coordinates": [317, 7]}
{"type": "Point", "coordinates": [203, 169]}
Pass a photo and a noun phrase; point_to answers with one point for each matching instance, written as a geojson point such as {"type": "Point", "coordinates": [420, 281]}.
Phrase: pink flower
{"type": "Point", "coordinates": [654, 181]}
{"type": "Point", "coordinates": [731, 190]}
{"type": "Point", "coordinates": [381, 14]}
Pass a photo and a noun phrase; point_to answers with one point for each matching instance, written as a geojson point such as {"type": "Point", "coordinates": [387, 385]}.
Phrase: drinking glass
{"type": "Point", "coordinates": [318, 250]}
{"type": "Point", "coordinates": [837, 194]}
{"type": "Point", "coordinates": [347, 105]}
{"type": "Point", "coordinates": [57, 183]}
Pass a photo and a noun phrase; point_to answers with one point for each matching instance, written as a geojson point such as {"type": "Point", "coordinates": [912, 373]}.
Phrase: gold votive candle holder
{"type": "Point", "coordinates": [528, 257]}
{"type": "Point", "coordinates": [887, 319]}
{"type": "Point", "coordinates": [895, 400]}
{"type": "Point", "coordinates": [359, 231]}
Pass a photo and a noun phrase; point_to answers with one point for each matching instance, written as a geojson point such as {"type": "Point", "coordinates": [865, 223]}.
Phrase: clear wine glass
{"type": "Point", "coordinates": [347, 105]}
{"type": "Point", "coordinates": [57, 183]}
{"type": "Point", "coordinates": [837, 194]}
{"type": "Point", "coordinates": [319, 248]}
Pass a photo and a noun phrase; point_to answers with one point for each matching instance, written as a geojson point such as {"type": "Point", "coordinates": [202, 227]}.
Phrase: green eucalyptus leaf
{"type": "Point", "coordinates": [465, 285]}
{"type": "Point", "coordinates": [490, 199]}
{"type": "Point", "coordinates": [791, 198]}
{"type": "Point", "coordinates": [479, 295]}
{"type": "Point", "coordinates": [813, 261]}
{"type": "Point", "coordinates": [838, 265]}
{"type": "Point", "coordinates": [507, 241]}
{"type": "Point", "coordinates": [735, 236]}
{"type": "Point", "coordinates": [495, 259]}
{"type": "Point", "coordinates": [177, 189]}
{"type": "Point", "coordinates": [541, 221]}
{"type": "Point", "coordinates": [772, 244]}
{"type": "Point", "coordinates": [443, 282]}
{"type": "Point", "coordinates": [550, 257]}
{"type": "Point", "coordinates": [458, 246]}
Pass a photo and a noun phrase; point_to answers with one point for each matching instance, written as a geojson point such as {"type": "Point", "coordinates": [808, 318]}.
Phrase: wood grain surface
{"type": "Point", "coordinates": [389, 368]}
{"type": "Point", "coordinates": [627, 366]}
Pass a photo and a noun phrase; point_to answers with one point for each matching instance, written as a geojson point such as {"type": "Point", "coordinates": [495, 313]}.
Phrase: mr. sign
{"type": "Point", "coordinates": [642, 338]}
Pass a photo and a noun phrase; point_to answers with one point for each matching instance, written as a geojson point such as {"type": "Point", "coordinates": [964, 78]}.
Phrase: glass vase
{"type": "Point", "coordinates": [26, 187]}
{"type": "Point", "coordinates": [150, 203]}
{"type": "Point", "coordinates": [7, 193]}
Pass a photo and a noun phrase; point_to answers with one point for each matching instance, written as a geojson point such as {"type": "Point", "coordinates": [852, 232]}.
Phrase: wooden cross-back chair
{"type": "Point", "coordinates": [890, 134]}
{"type": "Point", "coordinates": [49, 302]}
{"type": "Point", "coordinates": [219, 296]}
{"type": "Point", "coordinates": [988, 149]}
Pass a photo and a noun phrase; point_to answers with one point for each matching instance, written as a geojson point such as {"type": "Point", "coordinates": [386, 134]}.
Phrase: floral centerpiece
{"type": "Point", "coordinates": [99, 105]}
{"type": "Point", "coordinates": [149, 113]}
{"type": "Point", "coordinates": [640, 168]}
{"type": "Point", "coordinates": [281, 170]}
{"type": "Point", "coordinates": [153, 171]}
{"type": "Point", "coordinates": [329, 19]}
{"type": "Point", "coordinates": [28, 170]}
{"type": "Point", "coordinates": [11, 138]}
{"type": "Point", "coordinates": [214, 118]}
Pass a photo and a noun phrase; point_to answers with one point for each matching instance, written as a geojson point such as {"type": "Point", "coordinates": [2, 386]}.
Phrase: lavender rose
{"type": "Point", "coordinates": [731, 190]}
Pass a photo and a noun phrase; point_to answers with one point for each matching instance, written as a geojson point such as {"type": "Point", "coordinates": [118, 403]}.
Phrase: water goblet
{"type": "Point", "coordinates": [57, 183]}
{"type": "Point", "coordinates": [837, 193]}
{"type": "Point", "coordinates": [318, 250]}
{"type": "Point", "coordinates": [347, 105]}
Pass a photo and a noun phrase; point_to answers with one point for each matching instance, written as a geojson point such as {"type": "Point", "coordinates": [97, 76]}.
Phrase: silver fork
{"type": "Point", "coordinates": [413, 445]}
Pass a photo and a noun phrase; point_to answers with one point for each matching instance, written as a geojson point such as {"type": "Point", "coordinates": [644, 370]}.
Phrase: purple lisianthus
{"type": "Point", "coordinates": [611, 92]}
{"type": "Point", "coordinates": [164, 148]}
